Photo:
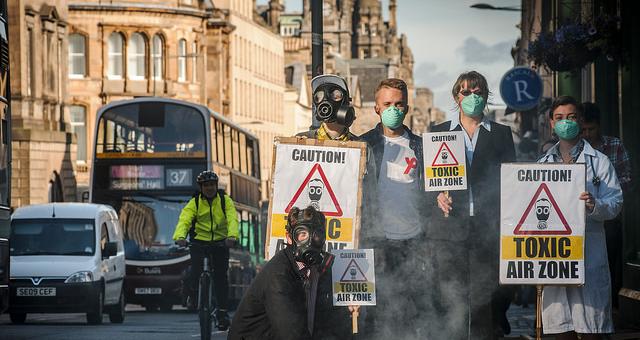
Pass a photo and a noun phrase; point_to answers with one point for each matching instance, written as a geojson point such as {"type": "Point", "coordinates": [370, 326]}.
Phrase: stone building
{"type": "Point", "coordinates": [43, 144]}
{"type": "Point", "coordinates": [252, 76]}
{"type": "Point", "coordinates": [127, 49]}
{"type": "Point", "coordinates": [358, 44]}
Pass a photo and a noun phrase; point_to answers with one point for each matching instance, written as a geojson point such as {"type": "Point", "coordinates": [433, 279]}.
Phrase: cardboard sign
{"type": "Point", "coordinates": [444, 161]}
{"type": "Point", "coordinates": [324, 174]}
{"type": "Point", "coordinates": [353, 277]}
{"type": "Point", "coordinates": [542, 223]}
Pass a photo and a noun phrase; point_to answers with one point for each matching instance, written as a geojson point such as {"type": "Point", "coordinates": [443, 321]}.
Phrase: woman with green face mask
{"type": "Point", "coordinates": [585, 309]}
{"type": "Point", "coordinates": [470, 232]}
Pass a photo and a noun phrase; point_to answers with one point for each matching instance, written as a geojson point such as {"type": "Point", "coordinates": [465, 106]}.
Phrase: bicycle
{"type": "Point", "coordinates": [207, 314]}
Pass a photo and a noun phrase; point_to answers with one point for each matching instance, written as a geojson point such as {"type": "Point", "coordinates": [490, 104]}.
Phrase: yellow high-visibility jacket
{"type": "Point", "coordinates": [211, 221]}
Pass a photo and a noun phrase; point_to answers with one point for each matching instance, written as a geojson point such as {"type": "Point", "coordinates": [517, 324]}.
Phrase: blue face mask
{"type": "Point", "coordinates": [392, 117]}
{"type": "Point", "coordinates": [472, 105]}
{"type": "Point", "coordinates": [566, 129]}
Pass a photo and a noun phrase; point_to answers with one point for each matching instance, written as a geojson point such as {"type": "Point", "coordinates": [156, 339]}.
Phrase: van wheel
{"type": "Point", "coordinates": [18, 318]}
{"type": "Point", "coordinates": [116, 315]}
{"type": "Point", "coordinates": [95, 318]}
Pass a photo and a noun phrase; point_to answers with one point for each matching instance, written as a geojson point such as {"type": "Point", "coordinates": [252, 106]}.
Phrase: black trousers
{"type": "Point", "coordinates": [218, 255]}
{"type": "Point", "coordinates": [466, 291]}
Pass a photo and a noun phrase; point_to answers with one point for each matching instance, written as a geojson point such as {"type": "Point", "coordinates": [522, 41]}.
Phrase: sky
{"type": "Point", "coordinates": [448, 38]}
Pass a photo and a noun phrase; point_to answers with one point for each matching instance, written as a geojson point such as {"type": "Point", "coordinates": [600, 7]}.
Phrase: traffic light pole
{"type": "Point", "coordinates": [317, 64]}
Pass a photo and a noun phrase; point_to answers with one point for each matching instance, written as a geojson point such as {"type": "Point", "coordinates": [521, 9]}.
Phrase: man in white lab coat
{"type": "Point", "coordinates": [584, 310]}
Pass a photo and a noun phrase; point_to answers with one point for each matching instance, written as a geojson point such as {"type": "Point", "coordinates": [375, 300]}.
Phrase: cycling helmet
{"type": "Point", "coordinates": [207, 176]}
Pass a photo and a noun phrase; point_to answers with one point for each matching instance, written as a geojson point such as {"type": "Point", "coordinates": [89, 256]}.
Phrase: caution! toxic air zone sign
{"type": "Point", "coordinates": [542, 224]}
{"type": "Point", "coordinates": [444, 161]}
{"type": "Point", "coordinates": [326, 175]}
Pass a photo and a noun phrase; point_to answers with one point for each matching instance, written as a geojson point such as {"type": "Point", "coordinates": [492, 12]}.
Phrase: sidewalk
{"type": "Point", "coordinates": [523, 325]}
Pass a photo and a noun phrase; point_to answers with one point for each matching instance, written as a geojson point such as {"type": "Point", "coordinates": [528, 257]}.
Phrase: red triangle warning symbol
{"type": "Point", "coordinates": [315, 191]}
{"type": "Point", "coordinates": [353, 273]}
{"type": "Point", "coordinates": [542, 211]}
{"type": "Point", "coordinates": [444, 157]}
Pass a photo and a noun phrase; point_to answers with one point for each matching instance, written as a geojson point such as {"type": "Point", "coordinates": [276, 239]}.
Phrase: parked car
{"type": "Point", "coordinates": [67, 258]}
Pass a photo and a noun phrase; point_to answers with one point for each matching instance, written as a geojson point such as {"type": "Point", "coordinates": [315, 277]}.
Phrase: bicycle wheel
{"type": "Point", "coordinates": [204, 306]}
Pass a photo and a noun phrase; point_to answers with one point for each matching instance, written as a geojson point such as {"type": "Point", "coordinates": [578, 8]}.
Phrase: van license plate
{"type": "Point", "coordinates": [148, 291]}
{"type": "Point", "coordinates": [36, 291]}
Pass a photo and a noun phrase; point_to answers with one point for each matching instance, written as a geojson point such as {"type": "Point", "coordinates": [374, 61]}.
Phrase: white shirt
{"type": "Point", "coordinates": [396, 189]}
{"type": "Point", "coordinates": [470, 146]}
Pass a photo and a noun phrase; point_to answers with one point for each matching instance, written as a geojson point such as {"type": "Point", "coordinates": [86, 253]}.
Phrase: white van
{"type": "Point", "coordinates": [66, 258]}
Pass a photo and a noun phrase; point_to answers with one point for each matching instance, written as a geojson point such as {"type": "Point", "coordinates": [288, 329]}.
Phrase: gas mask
{"type": "Point", "coordinates": [542, 212]}
{"type": "Point", "coordinates": [331, 102]}
{"type": "Point", "coordinates": [308, 236]}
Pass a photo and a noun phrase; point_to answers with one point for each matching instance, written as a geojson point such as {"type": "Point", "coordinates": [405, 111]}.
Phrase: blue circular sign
{"type": "Point", "coordinates": [521, 88]}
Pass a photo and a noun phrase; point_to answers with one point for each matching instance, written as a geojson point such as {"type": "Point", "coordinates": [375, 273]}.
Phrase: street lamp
{"type": "Point", "coordinates": [492, 7]}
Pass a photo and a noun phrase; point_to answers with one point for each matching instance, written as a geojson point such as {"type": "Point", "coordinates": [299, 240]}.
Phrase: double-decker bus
{"type": "Point", "coordinates": [5, 157]}
{"type": "Point", "coordinates": [147, 154]}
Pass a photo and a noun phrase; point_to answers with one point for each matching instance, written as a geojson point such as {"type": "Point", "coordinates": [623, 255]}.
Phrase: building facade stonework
{"type": "Point", "coordinates": [43, 146]}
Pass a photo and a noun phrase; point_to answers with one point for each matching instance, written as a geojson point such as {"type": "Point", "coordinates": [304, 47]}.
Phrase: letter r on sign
{"type": "Point", "coordinates": [521, 88]}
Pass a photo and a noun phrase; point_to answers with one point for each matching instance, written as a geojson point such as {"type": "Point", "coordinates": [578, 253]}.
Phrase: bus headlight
{"type": "Point", "coordinates": [79, 277]}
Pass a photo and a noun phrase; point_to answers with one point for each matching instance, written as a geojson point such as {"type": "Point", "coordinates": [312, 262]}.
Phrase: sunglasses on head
{"type": "Point", "coordinates": [466, 92]}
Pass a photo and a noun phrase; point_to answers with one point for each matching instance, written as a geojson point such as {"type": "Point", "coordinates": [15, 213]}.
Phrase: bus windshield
{"type": "Point", "coordinates": [52, 237]}
{"type": "Point", "coordinates": [151, 128]}
{"type": "Point", "coordinates": [148, 223]}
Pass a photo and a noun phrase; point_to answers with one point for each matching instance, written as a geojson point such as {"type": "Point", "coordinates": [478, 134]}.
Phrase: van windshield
{"type": "Point", "coordinates": [52, 237]}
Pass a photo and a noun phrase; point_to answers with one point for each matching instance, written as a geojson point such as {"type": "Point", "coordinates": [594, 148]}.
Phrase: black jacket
{"type": "Point", "coordinates": [375, 140]}
{"type": "Point", "coordinates": [492, 149]}
{"type": "Point", "coordinates": [274, 306]}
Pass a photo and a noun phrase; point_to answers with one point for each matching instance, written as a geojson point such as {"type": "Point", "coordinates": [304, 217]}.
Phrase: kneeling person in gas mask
{"type": "Point", "coordinates": [291, 298]}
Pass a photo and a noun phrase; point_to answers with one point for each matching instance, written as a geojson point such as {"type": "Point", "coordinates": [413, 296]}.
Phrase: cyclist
{"type": "Point", "coordinates": [211, 221]}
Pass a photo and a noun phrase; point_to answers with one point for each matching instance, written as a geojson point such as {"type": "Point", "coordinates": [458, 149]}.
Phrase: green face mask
{"type": "Point", "coordinates": [566, 129]}
{"type": "Point", "coordinates": [472, 105]}
{"type": "Point", "coordinates": [392, 117]}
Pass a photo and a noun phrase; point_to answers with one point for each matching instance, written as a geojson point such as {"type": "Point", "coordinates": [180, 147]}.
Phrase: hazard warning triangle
{"type": "Point", "coordinates": [541, 223]}
{"type": "Point", "coordinates": [302, 201]}
{"type": "Point", "coordinates": [444, 157]}
{"type": "Point", "coordinates": [353, 273]}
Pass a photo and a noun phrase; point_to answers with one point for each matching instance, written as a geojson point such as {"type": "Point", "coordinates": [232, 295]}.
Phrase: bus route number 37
{"type": "Point", "coordinates": [179, 177]}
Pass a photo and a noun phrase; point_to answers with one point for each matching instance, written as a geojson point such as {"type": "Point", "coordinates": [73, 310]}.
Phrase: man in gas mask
{"type": "Point", "coordinates": [291, 298]}
{"type": "Point", "coordinates": [332, 107]}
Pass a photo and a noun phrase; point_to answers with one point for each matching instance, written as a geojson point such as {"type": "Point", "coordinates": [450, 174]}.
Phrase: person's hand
{"type": "Point", "coordinates": [354, 308]}
{"type": "Point", "coordinates": [181, 242]}
{"type": "Point", "coordinates": [230, 242]}
{"type": "Point", "coordinates": [444, 203]}
{"type": "Point", "coordinates": [589, 201]}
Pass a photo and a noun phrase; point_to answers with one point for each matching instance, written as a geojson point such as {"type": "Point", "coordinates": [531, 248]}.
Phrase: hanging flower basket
{"type": "Point", "coordinates": [574, 45]}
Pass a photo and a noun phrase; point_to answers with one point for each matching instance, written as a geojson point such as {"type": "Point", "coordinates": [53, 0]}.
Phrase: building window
{"type": "Point", "coordinates": [115, 48]}
{"type": "Point", "coordinates": [182, 60]}
{"type": "Point", "coordinates": [29, 61]}
{"type": "Point", "coordinates": [194, 62]}
{"type": "Point", "coordinates": [77, 64]}
{"type": "Point", "coordinates": [136, 54]}
{"type": "Point", "coordinates": [156, 54]}
{"type": "Point", "coordinates": [78, 124]}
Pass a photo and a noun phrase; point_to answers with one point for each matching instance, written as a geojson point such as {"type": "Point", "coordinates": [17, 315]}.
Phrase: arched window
{"type": "Point", "coordinates": [182, 60]}
{"type": "Point", "coordinates": [77, 59]}
{"type": "Point", "coordinates": [115, 49]}
{"type": "Point", "coordinates": [137, 55]}
{"type": "Point", "coordinates": [156, 54]}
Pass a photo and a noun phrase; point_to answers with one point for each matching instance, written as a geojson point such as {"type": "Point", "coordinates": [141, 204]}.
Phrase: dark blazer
{"type": "Point", "coordinates": [274, 306]}
{"type": "Point", "coordinates": [492, 149]}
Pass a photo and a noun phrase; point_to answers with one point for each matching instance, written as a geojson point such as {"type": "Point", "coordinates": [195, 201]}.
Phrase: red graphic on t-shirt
{"type": "Point", "coordinates": [412, 163]}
